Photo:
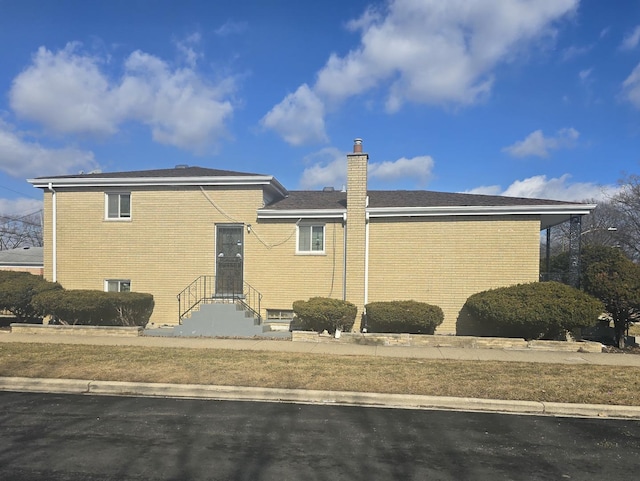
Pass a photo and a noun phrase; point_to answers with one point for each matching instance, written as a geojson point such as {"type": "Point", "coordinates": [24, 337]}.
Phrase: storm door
{"type": "Point", "coordinates": [229, 262]}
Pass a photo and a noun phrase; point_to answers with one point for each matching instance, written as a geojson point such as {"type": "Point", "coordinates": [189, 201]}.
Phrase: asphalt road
{"type": "Point", "coordinates": [71, 437]}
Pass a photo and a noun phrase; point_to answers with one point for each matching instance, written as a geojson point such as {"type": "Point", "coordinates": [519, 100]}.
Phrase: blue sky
{"type": "Point", "coordinates": [515, 97]}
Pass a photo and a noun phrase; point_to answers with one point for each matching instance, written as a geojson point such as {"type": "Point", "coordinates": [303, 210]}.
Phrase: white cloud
{"type": "Point", "coordinates": [69, 93]}
{"type": "Point", "coordinates": [485, 190]}
{"type": "Point", "coordinates": [536, 144]}
{"type": "Point", "coordinates": [329, 168]}
{"type": "Point", "coordinates": [574, 52]}
{"type": "Point", "coordinates": [66, 92]}
{"type": "Point", "coordinates": [231, 28]}
{"type": "Point", "coordinates": [557, 188]}
{"type": "Point", "coordinates": [20, 157]}
{"type": "Point", "coordinates": [179, 107]}
{"type": "Point", "coordinates": [20, 206]}
{"type": "Point", "coordinates": [631, 87]}
{"type": "Point", "coordinates": [417, 168]}
{"type": "Point", "coordinates": [631, 40]}
{"type": "Point", "coordinates": [433, 52]}
{"type": "Point", "coordinates": [186, 48]}
{"type": "Point", "coordinates": [299, 118]}
{"type": "Point", "coordinates": [585, 74]}
{"type": "Point", "coordinates": [437, 52]}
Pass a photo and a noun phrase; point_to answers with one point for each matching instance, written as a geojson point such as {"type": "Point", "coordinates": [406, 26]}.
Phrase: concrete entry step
{"type": "Point", "coordinates": [221, 319]}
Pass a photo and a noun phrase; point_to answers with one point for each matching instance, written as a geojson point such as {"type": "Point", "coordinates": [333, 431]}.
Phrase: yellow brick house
{"type": "Point", "coordinates": [192, 234]}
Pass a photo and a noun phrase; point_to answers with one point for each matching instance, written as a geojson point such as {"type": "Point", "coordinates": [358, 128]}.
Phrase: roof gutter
{"type": "Point", "coordinates": [60, 182]}
{"type": "Point", "coordinates": [380, 212]}
{"type": "Point", "coordinates": [301, 213]}
{"type": "Point", "coordinates": [574, 209]}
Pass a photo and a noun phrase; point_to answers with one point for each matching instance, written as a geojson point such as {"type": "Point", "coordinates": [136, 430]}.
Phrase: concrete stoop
{"type": "Point", "coordinates": [423, 340]}
{"type": "Point", "coordinates": [219, 320]}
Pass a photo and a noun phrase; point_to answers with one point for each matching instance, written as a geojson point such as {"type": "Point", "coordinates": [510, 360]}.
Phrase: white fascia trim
{"type": "Point", "coordinates": [301, 214]}
{"type": "Point", "coordinates": [569, 209]}
{"type": "Point", "coordinates": [160, 181]}
{"type": "Point", "coordinates": [373, 212]}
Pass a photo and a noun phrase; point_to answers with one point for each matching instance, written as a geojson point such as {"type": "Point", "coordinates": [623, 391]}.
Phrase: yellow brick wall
{"type": "Point", "coordinates": [443, 261]}
{"type": "Point", "coordinates": [284, 277]}
{"type": "Point", "coordinates": [170, 241]}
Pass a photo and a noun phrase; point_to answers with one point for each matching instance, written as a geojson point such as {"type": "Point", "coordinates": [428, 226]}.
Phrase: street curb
{"type": "Point", "coordinates": [365, 399]}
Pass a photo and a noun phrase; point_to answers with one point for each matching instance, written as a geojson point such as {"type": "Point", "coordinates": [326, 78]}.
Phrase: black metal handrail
{"type": "Point", "coordinates": [207, 289]}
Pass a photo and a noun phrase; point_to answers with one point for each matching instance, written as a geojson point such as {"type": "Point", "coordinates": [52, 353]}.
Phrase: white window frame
{"type": "Point", "coordinates": [119, 284]}
{"type": "Point", "coordinates": [280, 314]}
{"type": "Point", "coordinates": [310, 251]}
{"type": "Point", "coordinates": [119, 217]}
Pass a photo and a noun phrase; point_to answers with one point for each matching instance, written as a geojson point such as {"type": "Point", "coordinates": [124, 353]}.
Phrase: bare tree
{"type": "Point", "coordinates": [21, 231]}
{"type": "Point", "coordinates": [627, 202]}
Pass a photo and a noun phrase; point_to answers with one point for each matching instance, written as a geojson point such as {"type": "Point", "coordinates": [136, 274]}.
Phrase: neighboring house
{"type": "Point", "coordinates": [157, 231]}
{"type": "Point", "coordinates": [23, 259]}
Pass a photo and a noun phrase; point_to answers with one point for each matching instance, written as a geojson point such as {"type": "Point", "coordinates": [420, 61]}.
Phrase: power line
{"type": "Point", "coordinates": [18, 192]}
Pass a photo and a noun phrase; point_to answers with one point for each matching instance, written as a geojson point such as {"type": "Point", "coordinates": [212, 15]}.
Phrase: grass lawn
{"type": "Point", "coordinates": [489, 379]}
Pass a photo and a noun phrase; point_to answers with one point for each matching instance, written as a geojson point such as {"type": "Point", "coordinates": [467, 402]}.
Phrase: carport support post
{"type": "Point", "coordinates": [575, 232]}
{"type": "Point", "coordinates": [548, 255]}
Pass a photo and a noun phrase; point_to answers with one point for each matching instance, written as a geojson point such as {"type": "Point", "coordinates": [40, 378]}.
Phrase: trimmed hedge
{"type": "Point", "coordinates": [96, 308]}
{"type": "Point", "coordinates": [539, 310]}
{"type": "Point", "coordinates": [17, 290]}
{"type": "Point", "coordinates": [409, 317]}
{"type": "Point", "coordinates": [321, 313]}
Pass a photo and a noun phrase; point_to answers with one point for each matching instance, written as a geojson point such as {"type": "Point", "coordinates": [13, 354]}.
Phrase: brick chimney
{"type": "Point", "coordinates": [357, 201]}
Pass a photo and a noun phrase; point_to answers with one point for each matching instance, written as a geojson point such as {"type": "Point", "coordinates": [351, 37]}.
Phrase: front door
{"type": "Point", "coordinates": [229, 263]}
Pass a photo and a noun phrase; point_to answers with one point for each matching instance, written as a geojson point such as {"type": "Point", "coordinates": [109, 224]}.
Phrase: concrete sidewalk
{"type": "Point", "coordinates": [337, 348]}
{"type": "Point", "coordinates": [76, 386]}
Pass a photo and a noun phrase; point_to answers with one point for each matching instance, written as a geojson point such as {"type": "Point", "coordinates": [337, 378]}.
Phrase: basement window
{"type": "Point", "coordinates": [280, 314]}
{"type": "Point", "coordinates": [118, 205]}
{"type": "Point", "coordinates": [117, 285]}
{"type": "Point", "coordinates": [310, 239]}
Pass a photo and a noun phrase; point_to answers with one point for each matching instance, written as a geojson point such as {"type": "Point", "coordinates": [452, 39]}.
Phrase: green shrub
{"type": "Point", "coordinates": [133, 308]}
{"type": "Point", "coordinates": [410, 317]}
{"type": "Point", "coordinates": [17, 290]}
{"type": "Point", "coordinates": [97, 308]}
{"type": "Point", "coordinates": [540, 310]}
{"type": "Point", "coordinates": [321, 313]}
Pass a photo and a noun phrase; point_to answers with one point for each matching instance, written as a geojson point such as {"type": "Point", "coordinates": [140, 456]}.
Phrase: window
{"type": "Point", "coordinates": [117, 285]}
{"type": "Point", "coordinates": [280, 314]}
{"type": "Point", "coordinates": [311, 239]}
{"type": "Point", "coordinates": [118, 206]}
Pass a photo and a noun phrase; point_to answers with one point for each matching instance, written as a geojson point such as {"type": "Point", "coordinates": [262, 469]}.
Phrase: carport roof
{"type": "Point", "coordinates": [421, 203]}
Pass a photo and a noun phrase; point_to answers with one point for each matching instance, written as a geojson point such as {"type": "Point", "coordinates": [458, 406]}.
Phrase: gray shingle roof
{"type": "Point", "coordinates": [30, 256]}
{"type": "Point", "coordinates": [403, 198]}
{"type": "Point", "coordinates": [175, 172]}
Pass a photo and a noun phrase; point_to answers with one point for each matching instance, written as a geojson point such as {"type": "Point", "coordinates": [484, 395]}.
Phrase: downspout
{"type": "Point", "coordinates": [54, 222]}
{"type": "Point", "coordinates": [366, 259]}
{"type": "Point", "coordinates": [344, 257]}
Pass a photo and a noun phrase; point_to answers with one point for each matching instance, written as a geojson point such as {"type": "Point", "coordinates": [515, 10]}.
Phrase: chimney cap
{"type": "Point", "coordinates": [357, 145]}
